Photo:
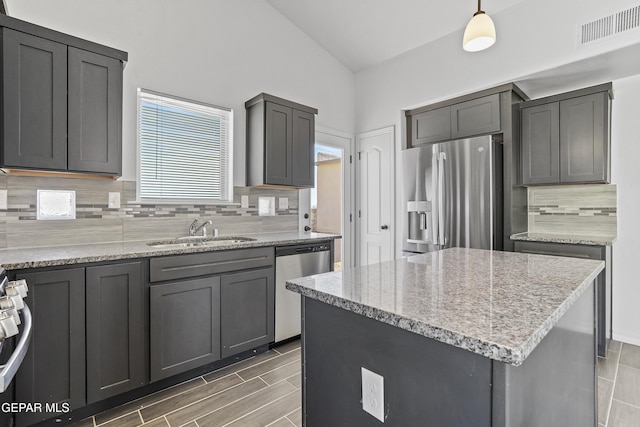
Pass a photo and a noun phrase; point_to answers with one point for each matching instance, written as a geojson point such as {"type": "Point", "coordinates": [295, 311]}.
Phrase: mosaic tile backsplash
{"type": "Point", "coordinates": [97, 223]}
{"type": "Point", "coordinates": [573, 209]}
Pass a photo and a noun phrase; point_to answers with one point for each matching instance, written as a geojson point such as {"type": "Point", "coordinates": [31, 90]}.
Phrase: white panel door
{"type": "Point", "coordinates": [375, 196]}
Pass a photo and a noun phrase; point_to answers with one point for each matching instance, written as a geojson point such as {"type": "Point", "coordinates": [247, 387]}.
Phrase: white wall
{"type": "Point", "coordinates": [533, 37]}
{"type": "Point", "coordinates": [217, 51]}
{"type": "Point", "coordinates": [625, 137]}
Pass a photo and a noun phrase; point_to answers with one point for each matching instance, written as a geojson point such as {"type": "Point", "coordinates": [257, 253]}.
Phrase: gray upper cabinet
{"type": "Point", "coordinates": [34, 116]}
{"type": "Point", "coordinates": [280, 142]}
{"type": "Point", "coordinates": [437, 123]}
{"type": "Point", "coordinates": [541, 144]}
{"type": "Point", "coordinates": [565, 138]}
{"type": "Point", "coordinates": [584, 139]}
{"type": "Point", "coordinates": [303, 148]}
{"type": "Point", "coordinates": [62, 101]}
{"type": "Point", "coordinates": [431, 126]}
{"type": "Point", "coordinates": [475, 117]}
{"type": "Point", "coordinates": [95, 113]}
{"type": "Point", "coordinates": [278, 163]}
{"type": "Point", "coordinates": [115, 330]}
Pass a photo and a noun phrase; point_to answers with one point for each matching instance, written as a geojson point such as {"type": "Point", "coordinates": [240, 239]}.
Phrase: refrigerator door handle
{"type": "Point", "coordinates": [441, 236]}
{"type": "Point", "coordinates": [435, 207]}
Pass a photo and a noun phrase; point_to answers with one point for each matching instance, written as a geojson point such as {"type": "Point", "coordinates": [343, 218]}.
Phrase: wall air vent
{"type": "Point", "coordinates": [609, 26]}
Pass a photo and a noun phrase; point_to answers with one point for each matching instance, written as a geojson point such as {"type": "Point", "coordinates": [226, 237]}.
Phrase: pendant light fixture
{"type": "Point", "coordinates": [480, 32]}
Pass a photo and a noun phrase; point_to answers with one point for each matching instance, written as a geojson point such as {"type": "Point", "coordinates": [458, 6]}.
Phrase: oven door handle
{"type": "Point", "coordinates": [9, 370]}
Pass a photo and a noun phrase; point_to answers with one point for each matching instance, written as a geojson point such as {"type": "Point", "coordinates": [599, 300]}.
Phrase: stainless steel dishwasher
{"type": "Point", "coordinates": [293, 262]}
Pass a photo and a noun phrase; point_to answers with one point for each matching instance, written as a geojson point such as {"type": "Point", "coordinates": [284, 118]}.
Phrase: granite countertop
{"type": "Point", "coordinates": [496, 304]}
{"type": "Point", "coordinates": [21, 258]}
{"type": "Point", "coordinates": [594, 240]}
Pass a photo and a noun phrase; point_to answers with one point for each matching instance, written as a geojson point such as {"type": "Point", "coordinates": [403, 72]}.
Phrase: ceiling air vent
{"type": "Point", "coordinates": [609, 26]}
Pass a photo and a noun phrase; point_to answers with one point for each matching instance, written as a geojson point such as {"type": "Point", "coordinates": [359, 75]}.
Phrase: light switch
{"type": "Point", "coordinates": [114, 200]}
{"type": "Point", "coordinates": [244, 202]}
{"type": "Point", "coordinates": [283, 203]}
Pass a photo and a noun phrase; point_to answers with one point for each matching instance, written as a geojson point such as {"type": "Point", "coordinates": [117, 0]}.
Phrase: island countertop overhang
{"type": "Point", "coordinates": [496, 304]}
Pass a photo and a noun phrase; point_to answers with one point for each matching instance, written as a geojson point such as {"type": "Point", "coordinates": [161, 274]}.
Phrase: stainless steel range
{"type": "Point", "coordinates": [15, 320]}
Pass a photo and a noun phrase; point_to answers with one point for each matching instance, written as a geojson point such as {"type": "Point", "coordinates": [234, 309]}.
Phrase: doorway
{"type": "Point", "coordinates": [330, 199]}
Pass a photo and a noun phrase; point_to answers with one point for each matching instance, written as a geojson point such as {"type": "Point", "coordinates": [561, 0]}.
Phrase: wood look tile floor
{"type": "Point", "coordinates": [619, 386]}
{"type": "Point", "coordinates": [266, 391]}
{"type": "Point", "coordinates": [262, 391]}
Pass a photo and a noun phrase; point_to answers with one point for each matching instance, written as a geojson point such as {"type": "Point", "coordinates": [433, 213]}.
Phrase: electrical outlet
{"type": "Point", "coordinates": [373, 393]}
{"type": "Point", "coordinates": [114, 200]}
{"type": "Point", "coordinates": [3, 200]}
{"type": "Point", "coordinates": [244, 202]}
{"type": "Point", "coordinates": [283, 203]}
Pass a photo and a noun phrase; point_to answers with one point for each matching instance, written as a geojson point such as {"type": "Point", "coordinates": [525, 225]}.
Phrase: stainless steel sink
{"type": "Point", "coordinates": [189, 242]}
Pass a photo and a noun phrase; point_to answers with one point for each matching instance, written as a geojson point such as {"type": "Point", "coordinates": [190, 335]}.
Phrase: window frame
{"type": "Point", "coordinates": [182, 201]}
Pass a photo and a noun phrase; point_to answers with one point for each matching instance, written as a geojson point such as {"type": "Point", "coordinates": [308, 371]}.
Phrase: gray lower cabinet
{"type": "Point", "coordinates": [53, 370]}
{"type": "Point", "coordinates": [34, 97]}
{"type": "Point", "coordinates": [565, 138]}
{"type": "Point", "coordinates": [185, 325]}
{"type": "Point", "coordinates": [115, 330]}
{"type": "Point", "coordinates": [209, 306]}
{"type": "Point", "coordinates": [247, 310]}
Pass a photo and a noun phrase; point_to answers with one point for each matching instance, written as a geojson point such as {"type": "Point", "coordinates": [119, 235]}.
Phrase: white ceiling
{"type": "Point", "coordinates": [363, 33]}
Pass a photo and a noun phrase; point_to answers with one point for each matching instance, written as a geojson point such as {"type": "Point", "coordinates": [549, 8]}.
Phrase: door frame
{"type": "Point", "coordinates": [344, 141]}
{"type": "Point", "coordinates": [387, 130]}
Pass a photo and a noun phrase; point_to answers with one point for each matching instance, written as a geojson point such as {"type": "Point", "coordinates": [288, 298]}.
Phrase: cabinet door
{"type": "Point", "coordinates": [278, 145]}
{"type": "Point", "coordinates": [541, 144]}
{"type": "Point", "coordinates": [475, 117]}
{"type": "Point", "coordinates": [34, 84]}
{"type": "Point", "coordinates": [584, 139]}
{"type": "Point", "coordinates": [53, 370]}
{"type": "Point", "coordinates": [246, 310]}
{"type": "Point", "coordinates": [431, 126]}
{"type": "Point", "coordinates": [303, 148]}
{"type": "Point", "coordinates": [115, 330]}
{"type": "Point", "coordinates": [185, 326]}
{"type": "Point", "coordinates": [95, 111]}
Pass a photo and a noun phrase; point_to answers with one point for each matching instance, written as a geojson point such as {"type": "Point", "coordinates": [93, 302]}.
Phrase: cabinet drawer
{"type": "Point", "coordinates": [202, 264]}
{"type": "Point", "coordinates": [561, 249]}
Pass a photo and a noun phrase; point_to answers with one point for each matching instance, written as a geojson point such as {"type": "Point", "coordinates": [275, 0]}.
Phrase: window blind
{"type": "Point", "coordinates": [185, 149]}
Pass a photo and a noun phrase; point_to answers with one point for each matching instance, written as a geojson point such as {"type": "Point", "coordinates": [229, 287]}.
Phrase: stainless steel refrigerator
{"type": "Point", "coordinates": [452, 194]}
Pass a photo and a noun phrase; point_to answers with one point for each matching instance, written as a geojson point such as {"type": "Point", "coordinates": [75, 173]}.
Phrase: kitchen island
{"type": "Point", "coordinates": [462, 337]}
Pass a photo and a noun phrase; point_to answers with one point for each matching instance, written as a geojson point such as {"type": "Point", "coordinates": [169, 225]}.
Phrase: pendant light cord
{"type": "Point", "coordinates": [479, 9]}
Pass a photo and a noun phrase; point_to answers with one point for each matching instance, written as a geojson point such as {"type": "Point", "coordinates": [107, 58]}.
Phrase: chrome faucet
{"type": "Point", "coordinates": [194, 228]}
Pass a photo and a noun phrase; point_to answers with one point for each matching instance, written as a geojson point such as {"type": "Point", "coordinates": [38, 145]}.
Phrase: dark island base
{"type": "Point", "coordinates": [427, 382]}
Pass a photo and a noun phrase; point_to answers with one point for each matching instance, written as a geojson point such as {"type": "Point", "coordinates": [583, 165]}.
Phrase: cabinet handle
{"type": "Point", "coordinates": [384, 227]}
